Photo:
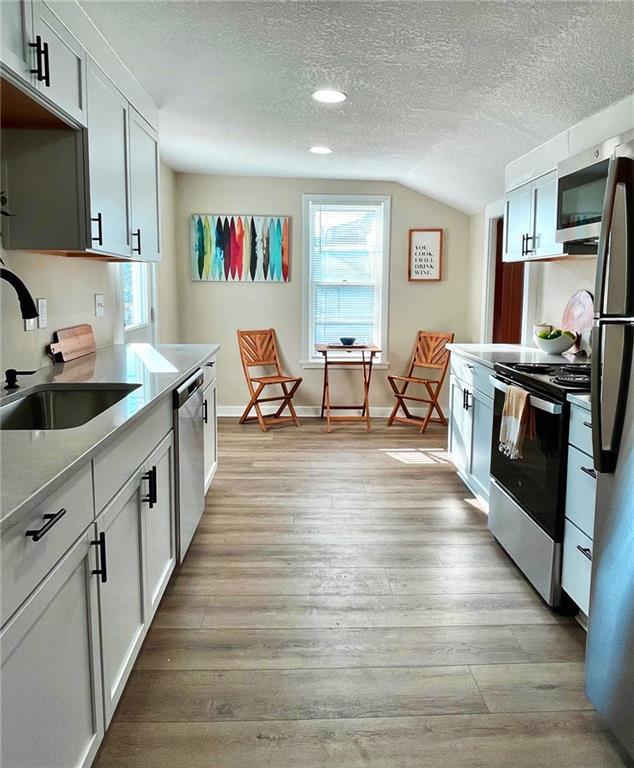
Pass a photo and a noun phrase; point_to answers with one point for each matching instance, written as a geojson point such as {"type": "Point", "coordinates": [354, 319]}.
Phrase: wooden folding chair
{"type": "Point", "coordinates": [430, 351]}
{"type": "Point", "coordinates": [259, 349]}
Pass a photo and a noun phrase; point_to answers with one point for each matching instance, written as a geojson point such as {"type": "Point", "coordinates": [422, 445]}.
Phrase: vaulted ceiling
{"type": "Point", "coordinates": [440, 94]}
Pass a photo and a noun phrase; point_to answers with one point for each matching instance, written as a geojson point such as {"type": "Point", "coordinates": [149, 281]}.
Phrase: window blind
{"type": "Point", "coordinates": [346, 254]}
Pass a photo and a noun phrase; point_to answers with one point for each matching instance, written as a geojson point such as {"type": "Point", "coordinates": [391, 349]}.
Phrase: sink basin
{"type": "Point", "coordinates": [62, 406]}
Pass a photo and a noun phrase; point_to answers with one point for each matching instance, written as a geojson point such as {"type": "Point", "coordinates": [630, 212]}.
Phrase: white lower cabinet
{"type": "Point", "coordinates": [121, 589]}
{"type": "Point", "coordinates": [159, 529]}
{"type": "Point", "coordinates": [138, 531]}
{"type": "Point", "coordinates": [481, 437]}
{"type": "Point", "coordinates": [52, 713]}
{"type": "Point", "coordinates": [471, 426]}
{"type": "Point", "coordinates": [210, 432]}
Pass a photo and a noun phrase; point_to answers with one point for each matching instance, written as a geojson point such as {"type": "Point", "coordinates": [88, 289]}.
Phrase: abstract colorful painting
{"type": "Point", "coordinates": [232, 248]}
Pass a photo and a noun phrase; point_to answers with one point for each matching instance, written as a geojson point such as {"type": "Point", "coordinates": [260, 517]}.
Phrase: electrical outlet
{"type": "Point", "coordinates": [42, 308]}
{"type": "Point", "coordinates": [100, 309]}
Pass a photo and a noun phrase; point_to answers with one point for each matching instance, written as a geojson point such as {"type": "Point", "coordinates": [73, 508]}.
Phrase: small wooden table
{"type": "Point", "coordinates": [368, 352]}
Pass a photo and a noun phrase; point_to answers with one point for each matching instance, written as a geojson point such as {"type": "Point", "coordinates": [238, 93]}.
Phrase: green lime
{"type": "Point", "coordinates": [570, 334]}
{"type": "Point", "coordinates": [543, 334]}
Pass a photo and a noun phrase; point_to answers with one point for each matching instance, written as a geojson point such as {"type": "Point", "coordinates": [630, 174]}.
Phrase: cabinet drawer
{"type": "Point", "coordinates": [210, 371]}
{"type": "Point", "coordinates": [581, 490]}
{"type": "Point", "coordinates": [580, 433]}
{"type": "Point", "coordinates": [481, 380]}
{"type": "Point", "coordinates": [577, 566]}
{"type": "Point", "coordinates": [462, 368]}
{"type": "Point", "coordinates": [117, 463]}
{"type": "Point", "coordinates": [25, 561]}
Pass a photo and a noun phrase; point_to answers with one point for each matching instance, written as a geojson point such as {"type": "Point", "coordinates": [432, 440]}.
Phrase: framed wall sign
{"type": "Point", "coordinates": [425, 254]}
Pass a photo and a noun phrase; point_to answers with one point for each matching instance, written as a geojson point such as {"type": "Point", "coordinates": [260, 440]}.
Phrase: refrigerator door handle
{"type": "Point", "coordinates": [605, 447]}
{"type": "Point", "coordinates": [620, 171]}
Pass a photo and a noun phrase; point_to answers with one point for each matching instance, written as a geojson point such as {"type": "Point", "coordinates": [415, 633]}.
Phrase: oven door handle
{"type": "Point", "coordinates": [536, 402]}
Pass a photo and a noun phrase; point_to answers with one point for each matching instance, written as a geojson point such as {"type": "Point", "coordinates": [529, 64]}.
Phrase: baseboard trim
{"type": "Point", "coordinates": [380, 412]}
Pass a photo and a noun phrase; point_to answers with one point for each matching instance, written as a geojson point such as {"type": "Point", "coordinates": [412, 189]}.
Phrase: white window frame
{"type": "Point", "coordinates": [151, 315]}
{"type": "Point", "coordinates": [310, 360]}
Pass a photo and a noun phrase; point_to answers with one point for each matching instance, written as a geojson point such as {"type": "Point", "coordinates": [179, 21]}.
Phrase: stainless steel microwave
{"type": "Point", "coordinates": [581, 181]}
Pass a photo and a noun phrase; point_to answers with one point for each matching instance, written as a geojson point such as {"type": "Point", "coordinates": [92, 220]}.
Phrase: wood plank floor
{"type": "Point", "coordinates": [343, 605]}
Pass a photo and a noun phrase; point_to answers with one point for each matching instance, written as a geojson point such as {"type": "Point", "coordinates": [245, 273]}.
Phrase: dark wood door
{"type": "Point", "coordinates": [508, 295]}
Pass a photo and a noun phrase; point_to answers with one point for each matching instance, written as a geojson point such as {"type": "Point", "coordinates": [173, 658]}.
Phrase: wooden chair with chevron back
{"type": "Point", "coordinates": [258, 349]}
{"type": "Point", "coordinates": [431, 354]}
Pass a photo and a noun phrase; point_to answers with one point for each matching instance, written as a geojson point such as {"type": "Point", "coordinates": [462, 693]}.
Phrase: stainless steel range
{"type": "Point", "coordinates": [526, 505]}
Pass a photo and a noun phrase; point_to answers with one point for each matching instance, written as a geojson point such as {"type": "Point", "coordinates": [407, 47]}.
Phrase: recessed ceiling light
{"type": "Point", "coordinates": [320, 150]}
{"type": "Point", "coordinates": [328, 96]}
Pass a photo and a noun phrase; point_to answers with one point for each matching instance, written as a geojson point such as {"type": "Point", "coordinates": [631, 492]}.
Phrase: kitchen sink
{"type": "Point", "coordinates": [62, 406]}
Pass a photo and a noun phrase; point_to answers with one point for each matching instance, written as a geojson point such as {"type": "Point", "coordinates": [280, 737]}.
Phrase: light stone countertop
{"type": "Point", "coordinates": [490, 354]}
{"type": "Point", "coordinates": [35, 462]}
{"type": "Point", "coordinates": [581, 400]}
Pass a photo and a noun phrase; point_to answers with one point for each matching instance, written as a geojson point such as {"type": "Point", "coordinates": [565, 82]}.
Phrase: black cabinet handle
{"type": "Point", "coordinates": [103, 563]}
{"type": "Point", "coordinates": [38, 71]}
{"type": "Point", "coordinates": [152, 496]}
{"type": "Point", "coordinates": [98, 218]}
{"type": "Point", "coordinates": [589, 471]}
{"type": "Point", "coordinates": [137, 234]}
{"type": "Point", "coordinates": [529, 250]}
{"type": "Point", "coordinates": [205, 413]}
{"type": "Point", "coordinates": [36, 535]}
{"type": "Point", "coordinates": [47, 66]}
{"type": "Point", "coordinates": [210, 365]}
{"type": "Point", "coordinates": [469, 398]}
{"type": "Point", "coordinates": [464, 399]}
{"type": "Point", "coordinates": [587, 424]}
{"type": "Point", "coordinates": [523, 245]}
{"type": "Point", "coordinates": [585, 551]}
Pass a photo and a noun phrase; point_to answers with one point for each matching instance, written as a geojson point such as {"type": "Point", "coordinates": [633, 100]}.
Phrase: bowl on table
{"type": "Point", "coordinates": [347, 341]}
{"type": "Point", "coordinates": [555, 346]}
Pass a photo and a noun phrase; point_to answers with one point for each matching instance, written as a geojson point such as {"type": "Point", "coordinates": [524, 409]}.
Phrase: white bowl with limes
{"type": "Point", "coordinates": [555, 343]}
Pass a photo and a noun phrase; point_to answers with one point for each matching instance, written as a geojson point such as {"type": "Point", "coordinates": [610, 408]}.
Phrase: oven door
{"type": "Point", "coordinates": [536, 481]}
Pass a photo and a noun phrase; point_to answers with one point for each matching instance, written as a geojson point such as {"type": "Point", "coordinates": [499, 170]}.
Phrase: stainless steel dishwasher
{"type": "Point", "coordinates": [190, 458]}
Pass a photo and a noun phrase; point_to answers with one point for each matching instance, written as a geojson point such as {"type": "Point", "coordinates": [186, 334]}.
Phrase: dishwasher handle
{"type": "Point", "coordinates": [187, 389]}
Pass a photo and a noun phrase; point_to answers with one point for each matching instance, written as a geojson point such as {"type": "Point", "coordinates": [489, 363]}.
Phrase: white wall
{"type": "Point", "coordinates": [212, 312]}
{"type": "Point", "coordinates": [70, 285]}
{"type": "Point", "coordinates": [558, 280]}
{"type": "Point", "coordinates": [166, 271]}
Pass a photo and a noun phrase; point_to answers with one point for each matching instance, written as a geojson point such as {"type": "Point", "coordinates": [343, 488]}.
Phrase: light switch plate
{"type": "Point", "coordinates": [42, 308]}
{"type": "Point", "coordinates": [100, 309]}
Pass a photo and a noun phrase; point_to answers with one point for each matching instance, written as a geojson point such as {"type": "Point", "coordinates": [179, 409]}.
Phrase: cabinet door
{"type": "Point", "coordinates": [459, 427]}
{"type": "Point", "coordinates": [211, 433]}
{"type": "Point", "coordinates": [121, 596]}
{"type": "Point", "coordinates": [51, 700]}
{"type": "Point", "coordinates": [517, 222]}
{"type": "Point", "coordinates": [144, 189]}
{"type": "Point", "coordinates": [16, 32]}
{"type": "Point", "coordinates": [545, 217]}
{"type": "Point", "coordinates": [108, 165]}
{"type": "Point", "coordinates": [481, 408]}
{"type": "Point", "coordinates": [63, 63]}
{"type": "Point", "coordinates": [159, 523]}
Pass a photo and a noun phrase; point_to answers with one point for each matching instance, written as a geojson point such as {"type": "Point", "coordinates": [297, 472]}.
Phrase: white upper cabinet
{"type": "Point", "coordinates": [530, 216]}
{"type": "Point", "coordinates": [517, 223]}
{"type": "Point", "coordinates": [108, 165]}
{"type": "Point", "coordinates": [16, 32]}
{"type": "Point", "coordinates": [144, 191]}
{"type": "Point", "coordinates": [60, 63]}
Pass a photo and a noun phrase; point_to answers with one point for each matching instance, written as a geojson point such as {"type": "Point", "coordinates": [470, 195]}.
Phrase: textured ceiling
{"type": "Point", "coordinates": [441, 94]}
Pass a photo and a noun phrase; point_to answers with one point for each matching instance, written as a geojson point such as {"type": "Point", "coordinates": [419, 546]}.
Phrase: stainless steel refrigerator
{"type": "Point", "coordinates": [610, 648]}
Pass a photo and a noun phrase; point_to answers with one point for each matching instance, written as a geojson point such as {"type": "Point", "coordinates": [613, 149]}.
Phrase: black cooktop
{"type": "Point", "coordinates": [556, 379]}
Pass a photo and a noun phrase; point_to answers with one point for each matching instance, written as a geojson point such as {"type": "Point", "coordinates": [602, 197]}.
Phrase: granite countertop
{"type": "Point", "coordinates": [490, 354]}
{"type": "Point", "coordinates": [35, 462]}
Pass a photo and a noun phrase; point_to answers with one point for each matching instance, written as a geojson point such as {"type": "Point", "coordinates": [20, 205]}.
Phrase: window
{"type": "Point", "coordinates": [346, 255]}
{"type": "Point", "coordinates": [135, 295]}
